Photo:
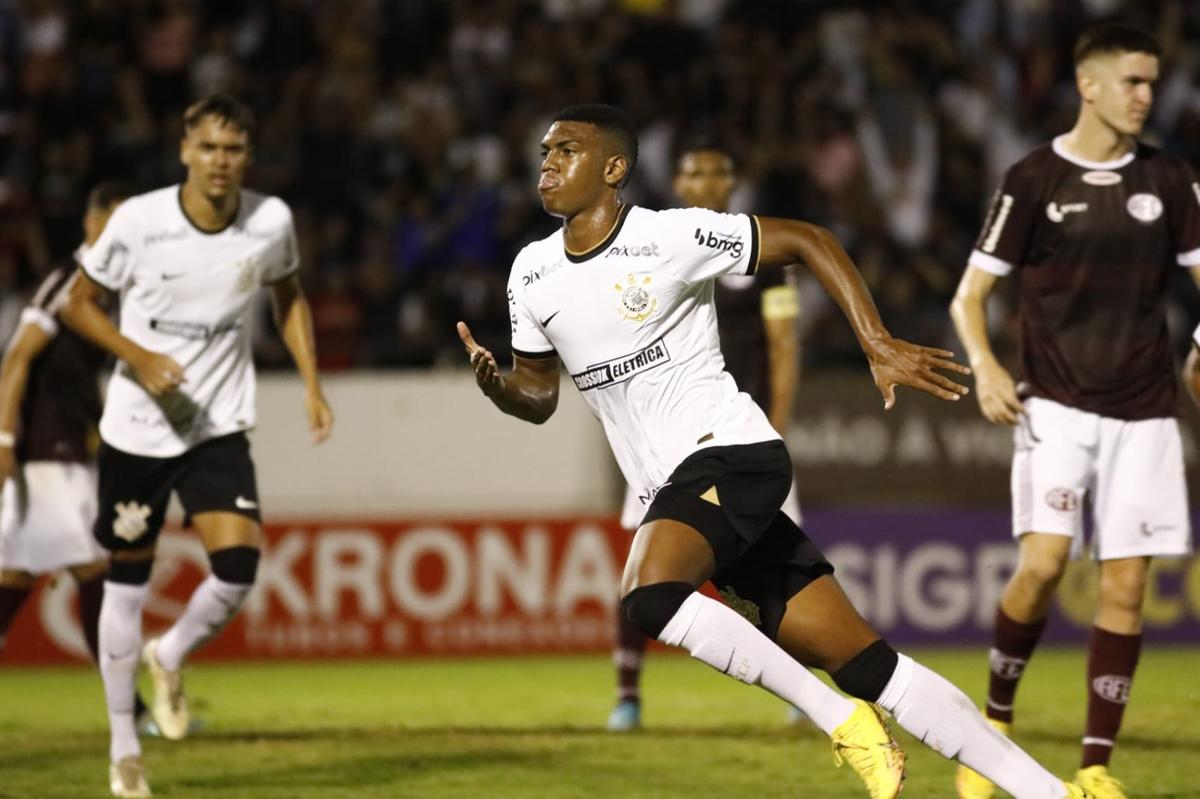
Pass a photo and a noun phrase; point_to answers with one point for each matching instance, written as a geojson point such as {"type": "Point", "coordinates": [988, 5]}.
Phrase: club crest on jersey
{"type": "Point", "coordinates": [637, 303]}
{"type": "Point", "coordinates": [247, 274]}
{"type": "Point", "coordinates": [1144, 207]}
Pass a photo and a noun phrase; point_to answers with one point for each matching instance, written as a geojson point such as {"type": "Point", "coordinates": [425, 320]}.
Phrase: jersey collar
{"type": "Point", "coordinates": [1061, 152]}
{"type": "Point", "coordinates": [577, 258]}
{"type": "Point", "coordinates": [237, 212]}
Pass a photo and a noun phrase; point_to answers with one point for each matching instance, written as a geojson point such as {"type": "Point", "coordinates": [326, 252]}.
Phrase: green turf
{"type": "Point", "coordinates": [532, 727]}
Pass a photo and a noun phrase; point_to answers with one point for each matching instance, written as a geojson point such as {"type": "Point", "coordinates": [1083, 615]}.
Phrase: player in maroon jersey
{"type": "Point", "coordinates": [49, 408]}
{"type": "Point", "coordinates": [756, 319]}
{"type": "Point", "coordinates": [1091, 224]}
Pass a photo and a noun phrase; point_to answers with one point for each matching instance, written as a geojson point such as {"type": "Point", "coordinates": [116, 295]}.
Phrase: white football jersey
{"type": "Point", "coordinates": [186, 293]}
{"type": "Point", "coordinates": [634, 323]}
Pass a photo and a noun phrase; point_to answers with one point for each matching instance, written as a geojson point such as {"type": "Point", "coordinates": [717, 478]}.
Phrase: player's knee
{"type": "Point", "coordinates": [129, 572]}
{"type": "Point", "coordinates": [1043, 572]}
{"type": "Point", "coordinates": [650, 607]}
{"type": "Point", "coordinates": [1122, 589]}
{"type": "Point", "coordinates": [235, 564]}
{"type": "Point", "coordinates": [867, 673]}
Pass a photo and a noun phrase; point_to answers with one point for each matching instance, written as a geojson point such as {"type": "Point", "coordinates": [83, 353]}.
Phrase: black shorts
{"type": "Point", "coordinates": [217, 475]}
{"type": "Point", "coordinates": [762, 558]}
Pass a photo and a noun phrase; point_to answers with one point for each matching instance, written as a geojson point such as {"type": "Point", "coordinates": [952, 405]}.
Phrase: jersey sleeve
{"type": "Point", "coordinates": [282, 258]}
{"type": "Point", "coordinates": [1183, 208]}
{"type": "Point", "coordinates": [111, 260]}
{"type": "Point", "coordinates": [1007, 226]}
{"type": "Point", "coordinates": [528, 337]}
{"type": "Point", "coordinates": [705, 245]}
{"type": "Point", "coordinates": [48, 300]}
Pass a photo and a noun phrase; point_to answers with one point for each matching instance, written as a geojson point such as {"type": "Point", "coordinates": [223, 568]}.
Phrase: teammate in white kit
{"type": "Point", "coordinates": [187, 261]}
{"type": "Point", "coordinates": [623, 297]}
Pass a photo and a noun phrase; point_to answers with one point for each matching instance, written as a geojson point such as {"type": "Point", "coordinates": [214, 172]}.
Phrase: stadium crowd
{"type": "Point", "coordinates": [404, 133]}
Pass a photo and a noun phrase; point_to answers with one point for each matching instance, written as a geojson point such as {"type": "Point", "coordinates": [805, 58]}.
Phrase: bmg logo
{"type": "Point", "coordinates": [722, 242]}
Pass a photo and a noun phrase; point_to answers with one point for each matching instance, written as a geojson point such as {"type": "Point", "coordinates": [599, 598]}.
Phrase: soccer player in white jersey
{"type": "Point", "coordinates": [623, 297]}
{"type": "Point", "coordinates": [187, 261]}
{"type": "Point", "coordinates": [756, 317]}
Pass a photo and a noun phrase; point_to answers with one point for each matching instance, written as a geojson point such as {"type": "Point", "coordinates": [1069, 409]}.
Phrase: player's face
{"type": "Point", "coordinates": [705, 179]}
{"type": "Point", "coordinates": [1120, 88]}
{"type": "Point", "coordinates": [216, 154]}
{"type": "Point", "coordinates": [577, 168]}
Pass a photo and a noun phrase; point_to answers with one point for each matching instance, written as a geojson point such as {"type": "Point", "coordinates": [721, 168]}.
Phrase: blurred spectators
{"type": "Point", "coordinates": [405, 132]}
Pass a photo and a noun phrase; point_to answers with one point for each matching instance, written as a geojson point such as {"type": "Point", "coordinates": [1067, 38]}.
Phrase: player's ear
{"type": "Point", "coordinates": [616, 169]}
{"type": "Point", "coordinates": [1086, 82]}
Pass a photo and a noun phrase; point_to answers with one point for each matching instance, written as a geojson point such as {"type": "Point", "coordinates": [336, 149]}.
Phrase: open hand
{"type": "Point", "coordinates": [899, 363]}
{"type": "Point", "coordinates": [487, 373]}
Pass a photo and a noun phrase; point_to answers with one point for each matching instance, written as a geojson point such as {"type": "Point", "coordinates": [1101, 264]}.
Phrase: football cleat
{"type": "Point", "coordinates": [127, 778]}
{"type": "Point", "coordinates": [626, 716]}
{"type": "Point", "coordinates": [1099, 783]}
{"type": "Point", "coordinates": [169, 706]}
{"type": "Point", "coordinates": [972, 784]}
{"type": "Point", "coordinates": [865, 742]}
{"type": "Point", "coordinates": [1075, 792]}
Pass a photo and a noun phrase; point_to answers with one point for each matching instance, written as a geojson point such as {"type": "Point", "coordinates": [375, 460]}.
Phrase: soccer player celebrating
{"type": "Point", "coordinates": [624, 297]}
{"type": "Point", "coordinates": [756, 318]}
{"type": "Point", "coordinates": [1092, 224]}
{"type": "Point", "coordinates": [187, 261]}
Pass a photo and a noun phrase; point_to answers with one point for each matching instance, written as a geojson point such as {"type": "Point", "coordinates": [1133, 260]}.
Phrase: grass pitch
{"type": "Point", "coordinates": [533, 727]}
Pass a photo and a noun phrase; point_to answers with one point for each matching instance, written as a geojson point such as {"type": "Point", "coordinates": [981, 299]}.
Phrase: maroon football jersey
{"type": "Point", "coordinates": [1092, 246]}
{"type": "Point", "coordinates": [743, 333]}
{"type": "Point", "coordinates": [61, 407]}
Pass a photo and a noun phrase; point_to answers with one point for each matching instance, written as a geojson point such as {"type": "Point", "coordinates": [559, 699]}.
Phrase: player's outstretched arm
{"type": "Point", "coordinates": [294, 318]}
{"type": "Point", "coordinates": [529, 391]}
{"type": "Point", "coordinates": [993, 384]}
{"type": "Point", "coordinates": [27, 344]}
{"type": "Point", "coordinates": [157, 373]}
{"type": "Point", "coordinates": [893, 362]}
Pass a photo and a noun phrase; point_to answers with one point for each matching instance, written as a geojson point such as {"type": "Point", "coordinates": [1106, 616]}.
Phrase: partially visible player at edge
{"type": "Point", "coordinates": [624, 296]}
{"type": "Point", "coordinates": [756, 319]}
{"type": "Point", "coordinates": [187, 261]}
{"type": "Point", "coordinates": [49, 409]}
{"type": "Point", "coordinates": [1092, 224]}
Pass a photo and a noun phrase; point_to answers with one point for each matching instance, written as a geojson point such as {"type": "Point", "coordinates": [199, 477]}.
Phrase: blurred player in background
{"type": "Point", "coordinates": [49, 409]}
{"type": "Point", "coordinates": [1092, 224]}
{"type": "Point", "coordinates": [756, 317]}
{"type": "Point", "coordinates": [187, 261]}
{"type": "Point", "coordinates": [623, 295]}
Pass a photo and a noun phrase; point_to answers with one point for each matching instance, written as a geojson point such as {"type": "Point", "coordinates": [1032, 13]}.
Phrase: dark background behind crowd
{"type": "Point", "coordinates": [404, 133]}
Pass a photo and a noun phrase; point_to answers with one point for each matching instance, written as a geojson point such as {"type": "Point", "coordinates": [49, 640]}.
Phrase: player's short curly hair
{"type": "Point", "coordinates": [1114, 38]}
{"type": "Point", "coordinates": [224, 107]}
{"type": "Point", "coordinates": [613, 121]}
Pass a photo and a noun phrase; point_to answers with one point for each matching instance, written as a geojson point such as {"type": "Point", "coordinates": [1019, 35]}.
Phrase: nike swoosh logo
{"type": "Point", "coordinates": [175, 276]}
{"type": "Point", "coordinates": [546, 321]}
{"type": "Point", "coordinates": [245, 504]}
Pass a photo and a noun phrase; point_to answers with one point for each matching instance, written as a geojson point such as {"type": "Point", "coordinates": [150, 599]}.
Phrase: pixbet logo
{"type": "Point", "coordinates": [723, 242]}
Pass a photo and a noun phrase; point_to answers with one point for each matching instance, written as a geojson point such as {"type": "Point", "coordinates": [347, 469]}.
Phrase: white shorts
{"type": "Point", "coordinates": [46, 516]}
{"type": "Point", "coordinates": [633, 510]}
{"type": "Point", "coordinates": [1131, 473]}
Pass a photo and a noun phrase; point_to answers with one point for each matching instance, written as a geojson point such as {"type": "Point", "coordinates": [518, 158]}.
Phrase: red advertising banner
{"type": "Point", "coordinates": [381, 589]}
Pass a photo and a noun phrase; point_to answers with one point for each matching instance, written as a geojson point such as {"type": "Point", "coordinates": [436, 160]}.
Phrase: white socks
{"type": "Point", "coordinates": [717, 635]}
{"type": "Point", "coordinates": [120, 649]}
{"type": "Point", "coordinates": [212, 605]}
{"type": "Point", "coordinates": [946, 720]}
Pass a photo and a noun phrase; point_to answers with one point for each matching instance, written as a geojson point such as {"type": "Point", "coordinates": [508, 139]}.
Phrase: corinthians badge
{"type": "Point", "coordinates": [637, 303]}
